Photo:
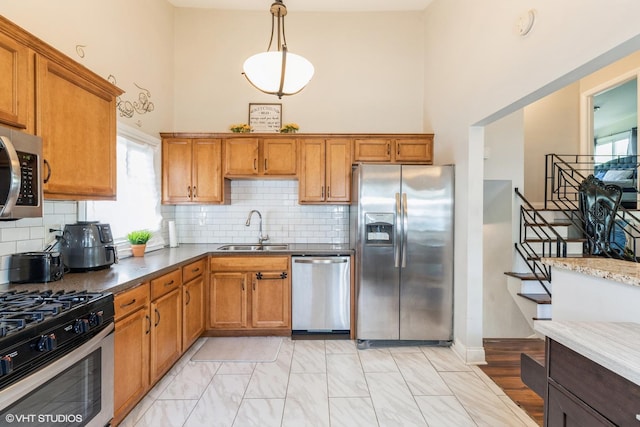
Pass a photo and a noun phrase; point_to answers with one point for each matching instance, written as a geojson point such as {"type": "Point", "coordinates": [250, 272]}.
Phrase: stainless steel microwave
{"type": "Point", "coordinates": [20, 175]}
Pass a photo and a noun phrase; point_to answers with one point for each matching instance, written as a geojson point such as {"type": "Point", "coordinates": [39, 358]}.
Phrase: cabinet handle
{"type": "Point", "coordinates": [322, 192]}
{"type": "Point", "coordinates": [388, 148]}
{"type": "Point", "coordinates": [189, 191]}
{"type": "Point", "coordinates": [328, 191]}
{"type": "Point", "coordinates": [46, 163]}
{"type": "Point", "coordinates": [255, 164]}
{"type": "Point", "coordinates": [398, 150]}
{"type": "Point", "coordinates": [133, 301]}
{"type": "Point", "coordinates": [157, 317]}
{"type": "Point", "coordinates": [254, 285]}
{"type": "Point", "coordinates": [265, 164]}
{"type": "Point", "coordinates": [195, 270]}
{"type": "Point", "coordinates": [169, 283]}
{"type": "Point", "coordinates": [195, 194]}
{"type": "Point", "coordinates": [243, 286]}
{"type": "Point", "coordinates": [148, 320]}
{"type": "Point", "coordinates": [188, 297]}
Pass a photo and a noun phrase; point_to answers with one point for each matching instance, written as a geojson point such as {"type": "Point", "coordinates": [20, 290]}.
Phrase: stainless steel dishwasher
{"type": "Point", "coordinates": [321, 289]}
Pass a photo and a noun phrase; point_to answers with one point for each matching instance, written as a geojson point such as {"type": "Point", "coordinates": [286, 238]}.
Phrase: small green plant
{"type": "Point", "coordinates": [139, 237]}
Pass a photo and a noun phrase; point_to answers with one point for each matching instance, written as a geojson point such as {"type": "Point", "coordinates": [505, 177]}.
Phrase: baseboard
{"type": "Point", "coordinates": [469, 355]}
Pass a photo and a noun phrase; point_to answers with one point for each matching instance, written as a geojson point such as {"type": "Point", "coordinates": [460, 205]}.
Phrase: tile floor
{"type": "Point", "coordinates": [329, 383]}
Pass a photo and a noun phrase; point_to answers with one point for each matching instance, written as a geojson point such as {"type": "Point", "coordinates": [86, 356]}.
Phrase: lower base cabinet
{"type": "Point", "coordinates": [149, 335]}
{"type": "Point", "coordinates": [250, 295]}
{"type": "Point", "coordinates": [131, 349]}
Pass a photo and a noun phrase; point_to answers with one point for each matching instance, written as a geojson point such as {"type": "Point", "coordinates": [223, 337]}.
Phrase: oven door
{"type": "Point", "coordinates": [74, 390]}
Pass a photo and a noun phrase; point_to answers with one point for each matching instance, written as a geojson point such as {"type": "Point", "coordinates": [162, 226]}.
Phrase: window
{"type": "Point", "coordinates": [612, 146]}
{"type": "Point", "coordinates": [138, 190]}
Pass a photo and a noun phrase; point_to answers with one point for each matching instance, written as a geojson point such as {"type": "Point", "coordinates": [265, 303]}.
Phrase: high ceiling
{"type": "Point", "coordinates": [308, 5]}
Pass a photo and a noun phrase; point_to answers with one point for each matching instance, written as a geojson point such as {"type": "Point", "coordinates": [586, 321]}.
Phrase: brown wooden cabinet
{"type": "Point", "coordinates": [131, 349]}
{"type": "Point", "coordinates": [70, 107]}
{"type": "Point", "coordinates": [250, 294]}
{"type": "Point", "coordinates": [394, 150]}
{"type": "Point", "coordinates": [166, 323]}
{"type": "Point", "coordinates": [325, 171]}
{"type": "Point", "coordinates": [582, 392]}
{"type": "Point", "coordinates": [15, 108]}
{"type": "Point", "coordinates": [193, 317]}
{"type": "Point", "coordinates": [266, 157]}
{"type": "Point", "coordinates": [192, 171]}
{"type": "Point", "coordinates": [76, 118]}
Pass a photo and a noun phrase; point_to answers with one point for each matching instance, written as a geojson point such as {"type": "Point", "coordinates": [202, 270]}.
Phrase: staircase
{"type": "Point", "coordinates": [557, 230]}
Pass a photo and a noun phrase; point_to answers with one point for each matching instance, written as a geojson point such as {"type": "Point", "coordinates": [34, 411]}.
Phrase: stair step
{"type": "Point", "coordinates": [541, 318]}
{"type": "Point", "coordinates": [537, 298]}
{"type": "Point", "coordinates": [568, 240]}
{"type": "Point", "coordinates": [527, 276]}
{"type": "Point", "coordinates": [552, 223]}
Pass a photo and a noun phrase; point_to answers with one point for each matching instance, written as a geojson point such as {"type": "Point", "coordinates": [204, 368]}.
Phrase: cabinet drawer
{"type": "Point", "coordinates": [249, 263]}
{"type": "Point", "coordinates": [615, 397]}
{"type": "Point", "coordinates": [131, 300]}
{"type": "Point", "coordinates": [165, 284]}
{"type": "Point", "coordinates": [193, 270]}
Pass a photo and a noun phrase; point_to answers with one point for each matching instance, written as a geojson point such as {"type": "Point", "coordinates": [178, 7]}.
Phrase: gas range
{"type": "Point", "coordinates": [37, 328]}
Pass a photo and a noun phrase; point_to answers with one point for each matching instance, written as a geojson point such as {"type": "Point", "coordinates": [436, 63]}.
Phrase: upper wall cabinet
{"type": "Point", "coordinates": [70, 107]}
{"type": "Point", "coordinates": [16, 76]}
{"type": "Point", "coordinates": [192, 171]}
{"type": "Point", "coordinates": [394, 150]}
{"type": "Point", "coordinates": [266, 157]}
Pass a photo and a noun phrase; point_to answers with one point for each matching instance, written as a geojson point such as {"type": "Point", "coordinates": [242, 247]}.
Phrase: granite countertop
{"type": "Point", "coordinates": [134, 270]}
{"type": "Point", "coordinates": [611, 345]}
{"type": "Point", "coordinates": [606, 268]}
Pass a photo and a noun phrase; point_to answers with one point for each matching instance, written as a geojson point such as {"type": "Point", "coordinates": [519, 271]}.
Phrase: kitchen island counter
{"type": "Point", "coordinates": [133, 270]}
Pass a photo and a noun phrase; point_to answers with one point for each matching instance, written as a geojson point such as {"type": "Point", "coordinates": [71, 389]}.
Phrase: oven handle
{"type": "Point", "coordinates": [24, 386]}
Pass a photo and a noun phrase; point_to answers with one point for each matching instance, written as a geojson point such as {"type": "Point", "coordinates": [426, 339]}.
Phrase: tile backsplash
{"type": "Point", "coordinates": [283, 219]}
{"type": "Point", "coordinates": [32, 234]}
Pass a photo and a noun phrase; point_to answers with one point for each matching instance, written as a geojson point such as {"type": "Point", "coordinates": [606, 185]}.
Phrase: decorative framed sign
{"type": "Point", "coordinates": [265, 117]}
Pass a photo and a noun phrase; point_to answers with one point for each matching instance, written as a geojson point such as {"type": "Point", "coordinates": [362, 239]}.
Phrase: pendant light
{"type": "Point", "coordinates": [278, 72]}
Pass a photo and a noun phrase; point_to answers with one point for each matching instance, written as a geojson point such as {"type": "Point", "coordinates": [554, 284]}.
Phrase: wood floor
{"type": "Point", "coordinates": [503, 367]}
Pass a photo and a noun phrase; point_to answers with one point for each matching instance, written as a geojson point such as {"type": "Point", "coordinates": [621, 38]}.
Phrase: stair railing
{"type": "Point", "coordinates": [564, 174]}
{"type": "Point", "coordinates": [531, 221]}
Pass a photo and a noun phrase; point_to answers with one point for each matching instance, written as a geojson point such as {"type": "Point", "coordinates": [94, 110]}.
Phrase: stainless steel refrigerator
{"type": "Point", "coordinates": [402, 231]}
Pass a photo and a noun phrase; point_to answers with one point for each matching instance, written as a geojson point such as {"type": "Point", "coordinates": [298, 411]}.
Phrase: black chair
{"type": "Point", "coordinates": [599, 204]}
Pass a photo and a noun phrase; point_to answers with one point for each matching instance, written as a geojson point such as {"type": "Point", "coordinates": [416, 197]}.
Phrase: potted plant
{"type": "Point", "coordinates": [138, 240]}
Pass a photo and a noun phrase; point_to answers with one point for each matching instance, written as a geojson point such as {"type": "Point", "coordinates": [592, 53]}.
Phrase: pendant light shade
{"type": "Point", "coordinates": [278, 72]}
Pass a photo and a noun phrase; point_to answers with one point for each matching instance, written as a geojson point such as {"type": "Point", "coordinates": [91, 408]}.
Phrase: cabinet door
{"type": "Point", "coordinates": [207, 171]}
{"type": "Point", "coordinates": [131, 361]}
{"type": "Point", "coordinates": [192, 311]}
{"type": "Point", "coordinates": [14, 102]}
{"type": "Point", "coordinates": [279, 156]}
{"type": "Point", "coordinates": [166, 333]}
{"type": "Point", "coordinates": [270, 300]}
{"type": "Point", "coordinates": [176, 170]}
{"type": "Point", "coordinates": [566, 410]}
{"type": "Point", "coordinates": [241, 157]}
{"type": "Point", "coordinates": [372, 150]}
{"type": "Point", "coordinates": [228, 300]}
{"type": "Point", "coordinates": [414, 150]}
{"type": "Point", "coordinates": [338, 170]}
{"type": "Point", "coordinates": [312, 171]}
{"type": "Point", "coordinates": [77, 121]}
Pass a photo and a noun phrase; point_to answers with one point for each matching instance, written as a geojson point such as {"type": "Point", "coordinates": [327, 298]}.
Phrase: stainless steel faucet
{"type": "Point", "coordinates": [261, 238]}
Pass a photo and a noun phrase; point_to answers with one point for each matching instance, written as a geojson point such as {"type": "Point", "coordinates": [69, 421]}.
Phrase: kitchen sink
{"type": "Point", "coordinates": [269, 247]}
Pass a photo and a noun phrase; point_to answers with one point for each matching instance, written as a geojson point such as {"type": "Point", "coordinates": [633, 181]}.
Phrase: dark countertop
{"type": "Point", "coordinates": [134, 270]}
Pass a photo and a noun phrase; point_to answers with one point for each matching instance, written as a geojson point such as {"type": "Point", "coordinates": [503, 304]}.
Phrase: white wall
{"type": "Point", "coordinates": [552, 125]}
{"type": "Point", "coordinates": [489, 72]}
{"type": "Point", "coordinates": [368, 78]}
{"type": "Point", "coordinates": [504, 156]}
{"type": "Point", "coordinates": [131, 40]}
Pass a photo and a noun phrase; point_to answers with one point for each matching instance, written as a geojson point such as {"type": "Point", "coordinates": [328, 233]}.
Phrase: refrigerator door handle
{"type": "Point", "coordinates": [405, 229]}
{"type": "Point", "coordinates": [396, 244]}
